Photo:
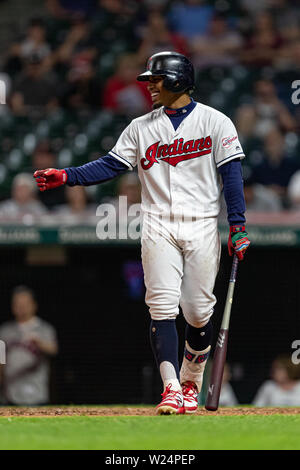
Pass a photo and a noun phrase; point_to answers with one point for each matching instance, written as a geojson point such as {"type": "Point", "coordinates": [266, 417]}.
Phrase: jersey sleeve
{"type": "Point", "coordinates": [125, 149]}
{"type": "Point", "coordinates": [226, 143]}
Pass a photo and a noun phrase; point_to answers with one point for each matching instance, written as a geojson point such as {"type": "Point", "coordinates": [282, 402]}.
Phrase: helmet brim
{"type": "Point", "coordinates": [144, 77]}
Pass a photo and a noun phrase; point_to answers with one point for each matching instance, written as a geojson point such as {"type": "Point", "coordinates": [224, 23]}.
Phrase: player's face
{"type": "Point", "coordinates": [160, 96]}
{"type": "Point", "coordinates": [23, 306]}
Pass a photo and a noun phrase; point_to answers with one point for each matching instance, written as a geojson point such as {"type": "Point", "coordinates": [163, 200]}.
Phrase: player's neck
{"type": "Point", "coordinates": [180, 102]}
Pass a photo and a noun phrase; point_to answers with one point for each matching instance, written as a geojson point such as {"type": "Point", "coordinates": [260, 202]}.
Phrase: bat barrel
{"type": "Point", "coordinates": [214, 389]}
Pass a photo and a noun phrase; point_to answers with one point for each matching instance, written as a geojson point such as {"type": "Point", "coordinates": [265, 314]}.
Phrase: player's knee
{"type": "Point", "coordinates": [198, 317]}
{"type": "Point", "coordinates": [163, 306]}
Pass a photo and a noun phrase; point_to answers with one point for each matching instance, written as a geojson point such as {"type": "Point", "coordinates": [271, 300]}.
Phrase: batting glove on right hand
{"type": "Point", "coordinates": [238, 241]}
{"type": "Point", "coordinates": [50, 178]}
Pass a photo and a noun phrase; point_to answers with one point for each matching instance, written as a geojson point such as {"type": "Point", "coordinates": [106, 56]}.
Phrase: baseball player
{"type": "Point", "coordinates": [186, 153]}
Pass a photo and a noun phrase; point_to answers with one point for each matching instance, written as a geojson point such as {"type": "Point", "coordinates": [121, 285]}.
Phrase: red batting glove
{"type": "Point", "coordinates": [238, 241]}
{"type": "Point", "coordinates": [50, 178]}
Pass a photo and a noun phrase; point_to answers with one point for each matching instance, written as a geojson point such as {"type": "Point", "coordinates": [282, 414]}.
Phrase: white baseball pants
{"type": "Point", "coordinates": [180, 261]}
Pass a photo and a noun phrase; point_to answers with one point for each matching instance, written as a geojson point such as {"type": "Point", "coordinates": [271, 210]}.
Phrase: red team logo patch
{"type": "Point", "coordinates": [177, 152]}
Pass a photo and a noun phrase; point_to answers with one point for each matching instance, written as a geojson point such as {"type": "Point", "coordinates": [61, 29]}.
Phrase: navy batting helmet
{"type": "Point", "coordinates": [177, 70]}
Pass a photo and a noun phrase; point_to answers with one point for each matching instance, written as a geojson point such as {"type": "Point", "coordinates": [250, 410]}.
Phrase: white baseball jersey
{"type": "Point", "coordinates": [178, 168]}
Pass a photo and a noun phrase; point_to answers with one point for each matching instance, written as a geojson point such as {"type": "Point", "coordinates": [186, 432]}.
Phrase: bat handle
{"type": "Point", "coordinates": [234, 268]}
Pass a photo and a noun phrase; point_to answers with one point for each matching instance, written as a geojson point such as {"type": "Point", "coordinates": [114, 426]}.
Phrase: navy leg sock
{"type": "Point", "coordinates": [164, 342]}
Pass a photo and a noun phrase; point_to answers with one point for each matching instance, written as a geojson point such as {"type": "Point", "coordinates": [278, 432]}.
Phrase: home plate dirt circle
{"type": "Point", "coordinates": [132, 411]}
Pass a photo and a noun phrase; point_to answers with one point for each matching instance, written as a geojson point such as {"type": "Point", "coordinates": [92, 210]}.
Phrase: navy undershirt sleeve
{"type": "Point", "coordinates": [100, 170]}
{"type": "Point", "coordinates": [233, 188]}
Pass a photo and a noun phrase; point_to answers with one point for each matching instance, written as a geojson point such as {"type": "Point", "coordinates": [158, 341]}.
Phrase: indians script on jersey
{"type": "Point", "coordinates": [176, 152]}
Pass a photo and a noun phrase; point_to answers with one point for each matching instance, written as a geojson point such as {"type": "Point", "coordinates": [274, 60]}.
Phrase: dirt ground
{"type": "Point", "coordinates": [131, 411]}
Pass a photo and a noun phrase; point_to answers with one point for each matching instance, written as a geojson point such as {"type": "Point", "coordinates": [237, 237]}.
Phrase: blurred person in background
{"type": "Point", "coordinates": [289, 58]}
{"type": "Point", "coordinates": [128, 186]}
{"type": "Point", "coordinates": [260, 198]}
{"type": "Point", "coordinates": [283, 388]}
{"type": "Point", "coordinates": [264, 113]}
{"type": "Point", "coordinates": [64, 9]}
{"type": "Point", "coordinates": [117, 13]}
{"type": "Point", "coordinates": [220, 46]}
{"type": "Point", "coordinates": [34, 90]}
{"type": "Point", "coordinates": [264, 42]}
{"type": "Point", "coordinates": [77, 209]}
{"type": "Point", "coordinates": [36, 40]}
{"type": "Point", "coordinates": [122, 93]}
{"type": "Point", "coordinates": [190, 18]}
{"type": "Point", "coordinates": [276, 169]}
{"type": "Point", "coordinates": [81, 89]}
{"type": "Point", "coordinates": [79, 45]}
{"type": "Point", "coordinates": [293, 191]}
{"type": "Point", "coordinates": [284, 12]}
{"type": "Point", "coordinates": [30, 343]}
{"type": "Point", "coordinates": [34, 43]}
{"type": "Point", "coordinates": [156, 38]}
{"type": "Point", "coordinates": [227, 396]}
{"type": "Point", "coordinates": [24, 206]}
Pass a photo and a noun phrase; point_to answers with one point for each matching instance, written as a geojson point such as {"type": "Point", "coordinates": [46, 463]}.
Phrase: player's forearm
{"type": "Point", "coordinates": [234, 192]}
{"type": "Point", "coordinates": [98, 171]}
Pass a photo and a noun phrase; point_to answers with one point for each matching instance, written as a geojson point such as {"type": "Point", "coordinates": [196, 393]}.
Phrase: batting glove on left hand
{"type": "Point", "coordinates": [238, 241]}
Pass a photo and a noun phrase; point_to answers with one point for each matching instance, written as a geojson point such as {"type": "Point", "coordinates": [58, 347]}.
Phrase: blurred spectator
{"type": "Point", "coordinates": [262, 46]}
{"type": "Point", "coordinates": [78, 209]}
{"type": "Point", "coordinates": [260, 198]}
{"type": "Point", "coordinates": [79, 45]}
{"type": "Point", "coordinates": [82, 90]}
{"type": "Point", "coordinates": [129, 186]}
{"type": "Point", "coordinates": [254, 7]}
{"type": "Point", "coordinates": [156, 38]}
{"type": "Point", "coordinates": [123, 93]}
{"type": "Point", "coordinates": [114, 7]}
{"type": "Point", "coordinates": [289, 56]}
{"type": "Point", "coordinates": [285, 12]}
{"type": "Point", "coordinates": [33, 89]}
{"type": "Point", "coordinates": [266, 112]}
{"type": "Point", "coordinates": [23, 206]}
{"type": "Point", "coordinates": [190, 17]}
{"type": "Point", "coordinates": [43, 157]}
{"type": "Point", "coordinates": [30, 342]}
{"type": "Point", "coordinates": [276, 169]}
{"type": "Point", "coordinates": [34, 43]}
{"type": "Point", "coordinates": [293, 191]}
{"type": "Point", "coordinates": [227, 396]}
{"type": "Point", "coordinates": [64, 9]}
{"type": "Point", "coordinates": [284, 387]}
{"type": "Point", "coordinates": [117, 14]}
{"type": "Point", "coordinates": [220, 46]}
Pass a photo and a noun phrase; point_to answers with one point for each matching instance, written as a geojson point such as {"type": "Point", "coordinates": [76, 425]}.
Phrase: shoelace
{"type": "Point", "coordinates": [189, 389]}
{"type": "Point", "coordinates": [168, 391]}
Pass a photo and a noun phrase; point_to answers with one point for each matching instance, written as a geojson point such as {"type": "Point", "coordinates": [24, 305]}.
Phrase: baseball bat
{"type": "Point", "coordinates": [215, 384]}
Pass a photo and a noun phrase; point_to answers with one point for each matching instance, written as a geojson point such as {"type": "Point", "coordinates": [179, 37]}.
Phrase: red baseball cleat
{"type": "Point", "coordinates": [172, 402]}
{"type": "Point", "coordinates": [190, 397]}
